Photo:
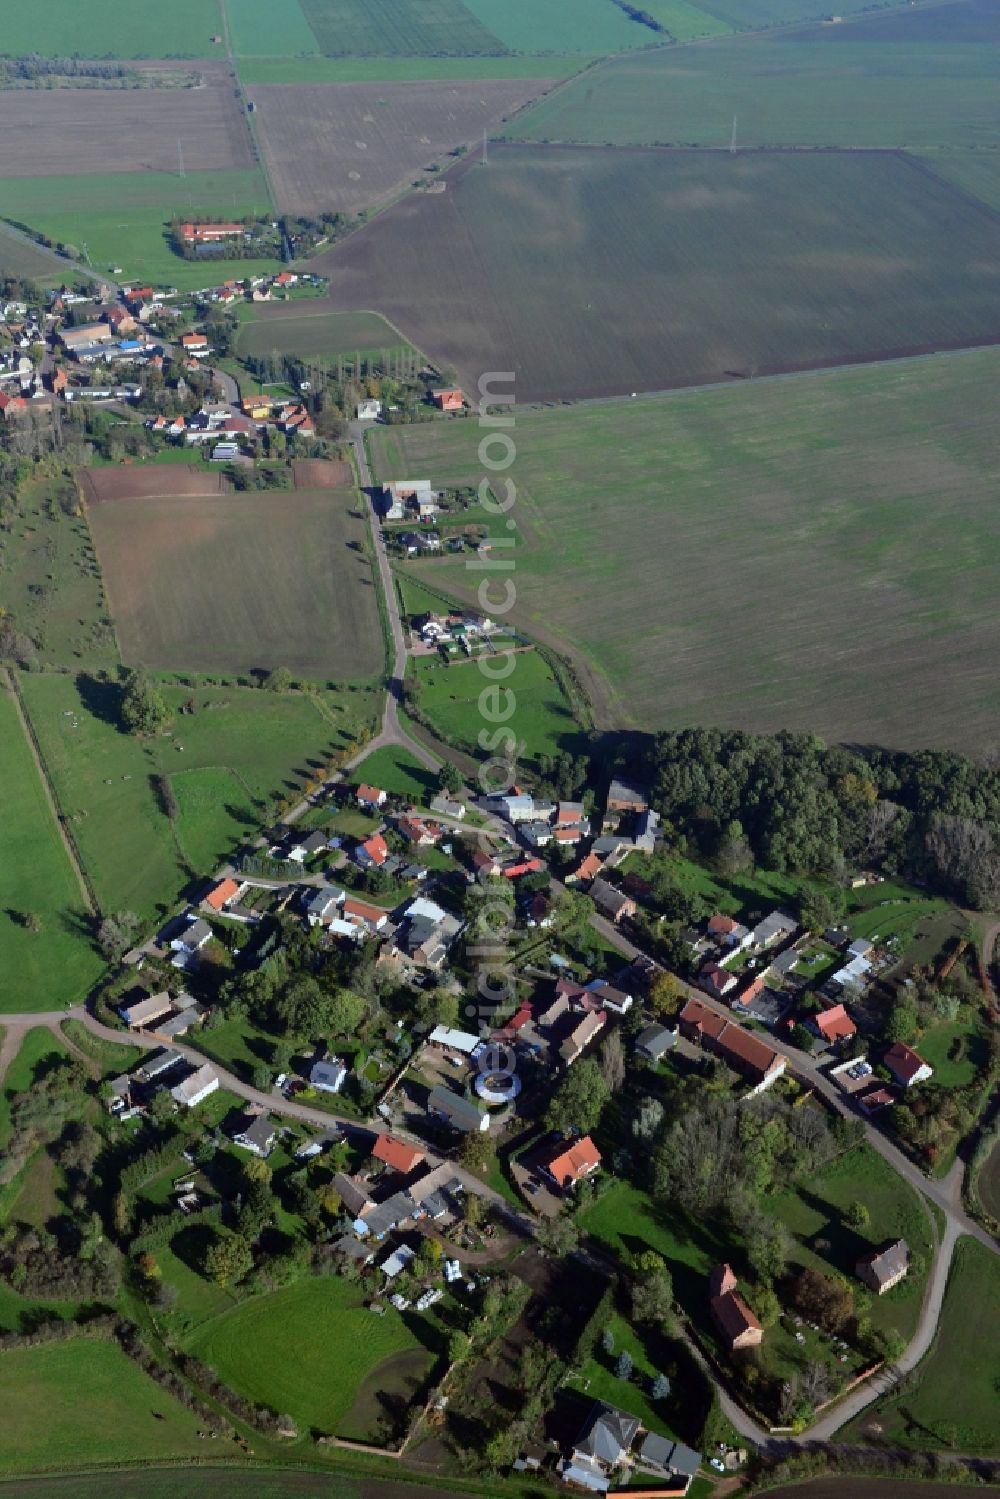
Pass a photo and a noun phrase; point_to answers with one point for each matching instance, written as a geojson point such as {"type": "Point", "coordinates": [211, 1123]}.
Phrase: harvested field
{"type": "Point", "coordinates": [343, 146]}
{"type": "Point", "coordinates": [737, 265]}
{"type": "Point", "coordinates": [102, 486]}
{"type": "Point", "coordinates": [241, 581]}
{"type": "Point", "coordinates": [322, 473]}
{"type": "Point", "coordinates": [51, 132]}
{"type": "Point", "coordinates": [777, 555]}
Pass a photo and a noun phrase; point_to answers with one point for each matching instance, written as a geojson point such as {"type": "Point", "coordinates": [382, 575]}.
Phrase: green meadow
{"type": "Point", "coordinates": [112, 28]}
{"type": "Point", "coordinates": [56, 964]}
{"type": "Point", "coordinates": [278, 69]}
{"type": "Point", "coordinates": [122, 219]}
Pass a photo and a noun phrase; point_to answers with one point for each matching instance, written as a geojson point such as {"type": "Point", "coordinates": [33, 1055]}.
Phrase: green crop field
{"type": "Point", "coordinates": [387, 28]}
{"type": "Point", "coordinates": [238, 581]}
{"type": "Point", "coordinates": [596, 26]}
{"type": "Point", "coordinates": [976, 172]}
{"type": "Point", "coordinates": [123, 218]}
{"type": "Point", "coordinates": [124, 1412]}
{"type": "Point", "coordinates": [19, 258]}
{"type": "Point", "coordinates": [542, 719]}
{"type": "Point", "coordinates": [269, 28]}
{"type": "Point", "coordinates": [782, 554]}
{"type": "Point", "coordinates": [112, 28]}
{"type": "Point", "coordinates": [253, 745]}
{"type": "Point", "coordinates": [975, 21]}
{"type": "Point", "coordinates": [406, 69]}
{"type": "Point", "coordinates": [950, 1400]}
{"type": "Point", "coordinates": [740, 265]}
{"type": "Point", "coordinates": [305, 1349]}
{"type": "Point", "coordinates": [684, 22]}
{"type": "Point", "coordinates": [320, 335]}
{"type": "Point", "coordinates": [748, 15]}
{"type": "Point", "coordinates": [804, 94]}
{"type": "Point", "coordinates": [56, 964]}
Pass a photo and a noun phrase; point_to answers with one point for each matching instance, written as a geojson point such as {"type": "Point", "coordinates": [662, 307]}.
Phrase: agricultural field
{"type": "Point", "coordinates": [781, 554]}
{"type": "Point", "coordinates": [975, 172]}
{"type": "Point", "coordinates": [112, 28]}
{"type": "Point", "coordinates": [251, 746]}
{"type": "Point", "coordinates": [124, 1413]}
{"type": "Point", "coordinates": [744, 265]}
{"type": "Point", "coordinates": [336, 1342]}
{"type": "Point", "coordinates": [950, 1400]}
{"type": "Point", "coordinates": [242, 581]}
{"type": "Point", "coordinates": [123, 218]}
{"type": "Point", "coordinates": [345, 146]}
{"type": "Point", "coordinates": [385, 28]}
{"type": "Point", "coordinates": [801, 93]}
{"type": "Point", "coordinates": [204, 1482]}
{"type": "Point", "coordinates": [684, 22]}
{"type": "Point", "coordinates": [61, 132]}
{"type": "Point", "coordinates": [596, 26]}
{"type": "Point", "coordinates": [269, 28]}
{"type": "Point", "coordinates": [319, 335]}
{"type": "Point", "coordinates": [969, 21]}
{"type": "Point", "coordinates": [55, 964]}
{"type": "Point", "coordinates": [397, 771]}
{"type": "Point", "coordinates": [751, 15]}
{"type": "Point", "coordinates": [543, 721]}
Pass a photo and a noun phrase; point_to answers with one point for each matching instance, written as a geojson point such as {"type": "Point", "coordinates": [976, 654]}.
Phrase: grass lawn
{"type": "Point", "coordinates": [951, 1399]}
{"type": "Point", "coordinates": [123, 217]}
{"type": "Point", "coordinates": [319, 335]}
{"type": "Point", "coordinates": [37, 1046]}
{"type": "Point", "coordinates": [20, 259]}
{"type": "Point", "coordinates": [113, 28]}
{"type": "Point", "coordinates": [598, 1381]}
{"type": "Point", "coordinates": [56, 964]}
{"type": "Point", "coordinates": [17, 1312]}
{"type": "Point", "coordinates": [627, 1219]}
{"type": "Point", "coordinates": [237, 1045]}
{"type": "Point", "coordinates": [829, 515]}
{"type": "Point", "coordinates": [124, 1412]}
{"type": "Point", "coordinates": [451, 697]}
{"type": "Point", "coordinates": [265, 744]}
{"type": "Point", "coordinates": [814, 1216]}
{"type": "Point", "coordinates": [397, 771]}
{"type": "Point", "coordinates": [956, 1050]}
{"type": "Point", "coordinates": [304, 1349]}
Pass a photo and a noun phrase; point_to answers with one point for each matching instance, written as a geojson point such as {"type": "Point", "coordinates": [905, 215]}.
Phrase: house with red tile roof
{"type": "Point", "coordinates": [207, 234]}
{"type": "Point", "coordinates": [222, 894]}
{"type": "Point", "coordinates": [396, 1154]}
{"type": "Point", "coordinates": [362, 913]}
{"type": "Point", "coordinates": [906, 1066]}
{"type": "Point", "coordinates": [588, 869]}
{"type": "Point", "coordinates": [448, 400]}
{"type": "Point", "coordinates": [746, 1054]}
{"type": "Point", "coordinates": [373, 853]}
{"type": "Point", "coordinates": [737, 1325]}
{"type": "Point", "coordinates": [834, 1025]}
{"type": "Point", "coordinates": [571, 1165]}
{"type": "Point", "coordinates": [369, 796]}
{"type": "Point", "coordinates": [716, 980]}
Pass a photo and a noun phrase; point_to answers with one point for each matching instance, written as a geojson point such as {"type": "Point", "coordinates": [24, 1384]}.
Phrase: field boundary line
{"type": "Point", "coordinates": [105, 591]}
{"type": "Point", "coordinates": [9, 678]}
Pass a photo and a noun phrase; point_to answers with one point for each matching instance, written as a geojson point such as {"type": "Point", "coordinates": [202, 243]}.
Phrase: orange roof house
{"type": "Point", "coordinates": [834, 1024]}
{"type": "Point", "coordinates": [572, 1165]}
{"type": "Point", "coordinates": [374, 850]}
{"type": "Point", "coordinates": [906, 1065]}
{"type": "Point", "coordinates": [448, 400]}
{"type": "Point", "coordinates": [194, 341]}
{"type": "Point", "coordinates": [220, 896]}
{"type": "Point", "coordinates": [737, 1325]}
{"type": "Point", "coordinates": [397, 1154]}
{"type": "Point", "coordinates": [370, 796]}
{"type": "Point", "coordinates": [746, 1054]}
{"type": "Point", "coordinates": [587, 870]}
{"type": "Point", "coordinates": [204, 234]}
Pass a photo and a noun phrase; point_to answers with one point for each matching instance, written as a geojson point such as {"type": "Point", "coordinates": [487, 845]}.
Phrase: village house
{"type": "Point", "coordinates": [884, 1268]}
{"type": "Point", "coordinates": [197, 1086]}
{"type": "Point", "coordinates": [673, 1460]}
{"type": "Point", "coordinates": [604, 1444]}
{"type": "Point", "coordinates": [426, 934]}
{"type": "Point", "coordinates": [397, 1155]}
{"type": "Point", "coordinates": [906, 1066]}
{"type": "Point", "coordinates": [139, 1013]}
{"type": "Point", "coordinates": [716, 980]}
{"type": "Point", "coordinates": [625, 797]}
{"type": "Point", "coordinates": [360, 915]}
{"type": "Point", "coordinates": [462, 1113]}
{"type": "Point", "coordinates": [370, 797]}
{"type": "Point", "coordinates": [581, 1036]}
{"type": "Point", "coordinates": [611, 902]}
{"type": "Point", "coordinates": [409, 499]}
{"type": "Point", "coordinates": [653, 1043]}
{"type": "Point", "coordinates": [321, 906]}
{"type": "Point", "coordinates": [448, 400]}
{"type": "Point", "coordinates": [571, 1164]}
{"type": "Point", "coordinates": [372, 853]}
{"type": "Point", "coordinates": [209, 234]}
{"type": "Point", "coordinates": [308, 847]}
{"type": "Point", "coordinates": [446, 806]}
{"type": "Point", "coordinates": [588, 869]}
{"type": "Point", "coordinates": [736, 1323]}
{"type": "Point", "coordinates": [256, 1133]}
{"type": "Point", "coordinates": [224, 894]}
{"type": "Point", "coordinates": [833, 1025]}
{"type": "Point", "coordinates": [369, 411]}
{"type": "Point", "coordinates": [328, 1074]}
{"type": "Point", "coordinates": [746, 1054]}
